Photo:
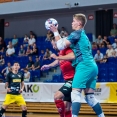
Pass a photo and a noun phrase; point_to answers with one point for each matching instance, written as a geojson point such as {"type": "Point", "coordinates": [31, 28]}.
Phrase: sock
{"type": "Point", "coordinates": [24, 113]}
{"type": "Point", "coordinates": [76, 102]}
{"type": "Point", "coordinates": [61, 107]}
{"type": "Point", "coordinates": [101, 115]}
{"type": "Point", "coordinates": [98, 110]}
{"type": "Point", "coordinates": [92, 101]}
{"type": "Point", "coordinates": [68, 113]}
{"type": "Point", "coordinates": [2, 111]}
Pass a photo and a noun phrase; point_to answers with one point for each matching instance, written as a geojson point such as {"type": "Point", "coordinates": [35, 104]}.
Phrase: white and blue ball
{"type": "Point", "coordinates": [49, 22]}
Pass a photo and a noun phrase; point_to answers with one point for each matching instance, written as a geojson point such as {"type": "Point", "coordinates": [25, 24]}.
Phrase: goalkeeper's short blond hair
{"type": "Point", "coordinates": [81, 17]}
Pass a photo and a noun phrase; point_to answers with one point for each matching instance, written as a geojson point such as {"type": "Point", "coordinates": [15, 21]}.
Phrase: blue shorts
{"type": "Point", "coordinates": [85, 75]}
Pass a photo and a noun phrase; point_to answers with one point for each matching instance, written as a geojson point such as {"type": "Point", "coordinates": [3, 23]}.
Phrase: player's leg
{"type": "Point", "coordinates": [84, 71]}
{"type": "Point", "coordinates": [76, 101]}
{"type": "Point", "coordinates": [67, 109]}
{"type": "Point", "coordinates": [21, 102]}
{"type": "Point", "coordinates": [78, 84]}
{"type": "Point", "coordinates": [90, 97]}
{"type": "Point", "coordinates": [8, 100]}
{"type": "Point", "coordinates": [63, 94]}
{"type": "Point", "coordinates": [3, 109]}
{"type": "Point", "coordinates": [67, 99]}
{"type": "Point", "coordinates": [24, 110]}
{"type": "Point", "coordinates": [58, 99]}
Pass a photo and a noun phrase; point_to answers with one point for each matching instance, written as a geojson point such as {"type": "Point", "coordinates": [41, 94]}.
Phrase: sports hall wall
{"type": "Point", "coordinates": [22, 25]}
{"type": "Point", "coordinates": [40, 5]}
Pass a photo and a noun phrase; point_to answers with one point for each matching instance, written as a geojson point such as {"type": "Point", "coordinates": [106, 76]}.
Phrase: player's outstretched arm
{"type": "Point", "coordinates": [53, 64]}
{"type": "Point", "coordinates": [62, 43]}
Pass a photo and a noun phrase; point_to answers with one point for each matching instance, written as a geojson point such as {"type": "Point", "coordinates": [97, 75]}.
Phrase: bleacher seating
{"type": "Point", "coordinates": [107, 71]}
{"type": "Point", "coordinates": [41, 45]}
{"type": "Point", "coordinates": [56, 78]}
{"type": "Point", "coordinates": [108, 108]}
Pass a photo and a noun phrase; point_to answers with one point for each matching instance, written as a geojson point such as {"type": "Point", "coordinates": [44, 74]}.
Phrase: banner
{"type": "Point", "coordinates": [44, 92]}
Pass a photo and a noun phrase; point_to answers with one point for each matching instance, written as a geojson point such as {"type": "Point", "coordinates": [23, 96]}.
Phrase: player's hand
{"type": "Point", "coordinates": [45, 67]}
{"type": "Point", "coordinates": [54, 28]}
{"type": "Point", "coordinates": [8, 90]}
{"type": "Point", "coordinates": [54, 56]}
{"type": "Point", "coordinates": [20, 91]}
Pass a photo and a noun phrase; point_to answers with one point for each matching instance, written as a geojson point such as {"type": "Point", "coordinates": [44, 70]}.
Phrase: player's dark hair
{"type": "Point", "coordinates": [26, 69]}
{"type": "Point", "coordinates": [52, 38]}
{"type": "Point", "coordinates": [15, 63]}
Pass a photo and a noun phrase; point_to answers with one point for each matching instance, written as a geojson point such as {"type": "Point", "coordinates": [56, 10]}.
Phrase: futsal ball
{"type": "Point", "coordinates": [49, 22]}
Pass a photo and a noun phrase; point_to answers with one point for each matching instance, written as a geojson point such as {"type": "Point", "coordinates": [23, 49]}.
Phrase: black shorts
{"type": "Point", "coordinates": [66, 90]}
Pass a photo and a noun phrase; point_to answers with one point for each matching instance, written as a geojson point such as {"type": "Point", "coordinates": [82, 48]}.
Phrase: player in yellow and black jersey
{"type": "Point", "coordinates": [15, 86]}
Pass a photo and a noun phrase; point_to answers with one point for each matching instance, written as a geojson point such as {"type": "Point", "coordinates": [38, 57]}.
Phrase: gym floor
{"type": "Point", "coordinates": [45, 115]}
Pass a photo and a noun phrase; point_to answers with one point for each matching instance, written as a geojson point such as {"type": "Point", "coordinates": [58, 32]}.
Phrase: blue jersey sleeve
{"type": "Point", "coordinates": [74, 36]}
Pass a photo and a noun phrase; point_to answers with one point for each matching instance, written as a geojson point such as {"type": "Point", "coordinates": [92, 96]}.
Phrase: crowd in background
{"type": "Point", "coordinates": [29, 48]}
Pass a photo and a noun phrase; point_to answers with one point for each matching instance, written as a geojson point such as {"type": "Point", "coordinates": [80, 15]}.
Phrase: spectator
{"type": "Point", "coordinates": [31, 40]}
{"type": "Point", "coordinates": [98, 57]}
{"type": "Point", "coordinates": [47, 54]}
{"type": "Point", "coordinates": [21, 51]}
{"type": "Point", "coordinates": [106, 41]}
{"type": "Point", "coordinates": [10, 51]}
{"type": "Point", "coordinates": [9, 43]}
{"type": "Point", "coordinates": [30, 63]}
{"type": "Point", "coordinates": [14, 41]}
{"type": "Point", "coordinates": [2, 41]}
{"type": "Point", "coordinates": [32, 33]}
{"type": "Point", "coordinates": [110, 52]}
{"type": "Point", "coordinates": [2, 61]}
{"type": "Point", "coordinates": [113, 31]}
{"type": "Point", "coordinates": [34, 50]}
{"type": "Point", "coordinates": [103, 46]}
{"type": "Point", "coordinates": [2, 48]}
{"type": "Point", "coordinates": [114, 45]}
{"type": "Point", "coordinates": [36, 65]}
{"type": "Point", "coordinates": [7, 69]}
{"type": "Point", "coordinates": [104, 60]}
{"type": "Point", "coordinates": [1, 81]}
{"type": "Point", "coordinates": [99, 39]}
{"type": "Point", "coordinates": [115, 52]}
{"type": "Point", "coordinates": [42, 55]}
{"type": "Point", "coordinates": [26, 39]}
{"type": "Point", "coordinates": [2, 45]}
{"type": "Point", "coordinates": [28, 51]}
{"type": "Point", "coordinates": [26, 75]}
{"type": "Point", "coordinates": [49, 35]}
{"type": "Point", "coordinates": [94, 46]}
{"type": "Point", "coordinates": [63, 32]}
{"type": "Point", "coordinates": [100, 46]}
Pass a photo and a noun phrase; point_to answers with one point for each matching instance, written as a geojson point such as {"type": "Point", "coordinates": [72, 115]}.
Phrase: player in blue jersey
{"type": "Point", "coordinates": [86, 69]}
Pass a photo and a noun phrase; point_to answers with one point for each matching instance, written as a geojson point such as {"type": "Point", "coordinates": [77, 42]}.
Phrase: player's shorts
{"type": "Point", "coordinates": [18, 99]}
{"type": "Point", "coordinates": [85, 75]}
{"type": "Point", "coordinates": [66, 90]}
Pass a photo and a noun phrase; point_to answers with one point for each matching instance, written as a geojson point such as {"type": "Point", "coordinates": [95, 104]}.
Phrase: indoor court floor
{"type": "Point", "coordinates": [46, 115]}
